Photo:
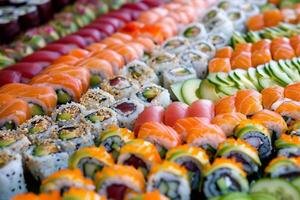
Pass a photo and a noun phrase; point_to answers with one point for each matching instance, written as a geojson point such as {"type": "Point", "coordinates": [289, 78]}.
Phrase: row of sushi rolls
{"type": "Point", "coordinates": [150, 100]}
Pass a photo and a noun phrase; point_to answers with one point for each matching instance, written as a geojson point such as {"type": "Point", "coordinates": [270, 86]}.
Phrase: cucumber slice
{"type": "Point", "coordinates": [296, 183]}
{"type": "Point", "coordinates": [176, 91]}
{"type": "Point", "coordinates": [227, 90]}
{"type": "Point", "coordinates": [262, 196]}
{"type": "Point", "coordinates": [277, 188]}
{"type": "Point", "coordinates": [208, 91]}
{"type": "Point", "coordinates": [243, 76]}
{"type": "Point", "coordinates": [253, 78]}
{"type": "Point", "coordinates": [237, 38]}
{"type": "Point", "coordinates": [189, 90]}
{"type": "Point", "coordinates": [237, 80]}
{"type": "Point", "coordinates": [278, 74]}
{"type": "Point", "coordinates": [223, 77]}
{"type": "Point", "coordinates": [212, 78]}
{"type": "Point", "coordinates": [236, 196]}
{"type": "Point", "coordinates": [290, 70]}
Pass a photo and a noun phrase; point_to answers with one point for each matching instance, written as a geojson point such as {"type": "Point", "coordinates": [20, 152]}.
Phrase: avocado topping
{"type": "Point", "coordinates": [63, 97]}
{"type": "Point", "coordinates": [45, 149]}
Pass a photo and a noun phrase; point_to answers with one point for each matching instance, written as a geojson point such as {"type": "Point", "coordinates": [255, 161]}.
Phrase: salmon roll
{"type": "Point", "coordinates": [95, 47]}
{"type": "Point", "coordinates": [32, 196]}
{"type": "Point", "coordinates": [288, 146]}
{"type": "Point", "coordinates": [90, 160]}
{"type": "Point", "coordinates": [195, 31]}
{"type": "Point", "coordinates": [261, 56]}
{"type": "Point", "coordinates": [271, 95]}
{"type": "Point", "coordinates": [13, 141]}
{"type": "Point", "coordinates": [147, 43]}
{"type": "Point", "coordinates": [140, 154]}
{"type": "Point", "coordinates": [292, 91]}
{"type": "Point", "coordinates": [65, 179]}
{"type": "Point", "coordinates": [248, 102]}
{"type": "Point", "coordinates": [289, 110]}
{"type": "Point", "coordinates": [228, 121]}
{"type": "Point", "coordinates": [66, 59]}
{"type": "Point", "coordinates": [95, 98]}
{"type": "Point", "coordinates": [162, 136]}
{"type": "Point", "coordinates": [171, 180]}
{"type": "Point", "coordinates": [114, 181]}
{"type": "Point", "coordinates": [256, 135]}
{"type": "Point", "coordinates": [217, 176]}
{"type": "Point", "coordinates": [175, 45]}
{"type": "Point", "coordinates": [114, 58]}
{"type": "Point", "coordinates": [282, 167]}
{"type": "Point", "coordinates": [113, 138]}
{"type": "Point", "coordinates": [193, 159]}
{"type": "Point", "coordinates": [82, 194]}
{"type": "Point", "coordinates": [128, 52]}
{"type": "Point", "coordinates": [294, 128]}
{"type": "Point", "coordinates": [225, 105]}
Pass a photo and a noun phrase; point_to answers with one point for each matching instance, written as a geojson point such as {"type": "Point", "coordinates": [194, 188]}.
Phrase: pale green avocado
{"type": "Point", "coordinates": [208, 91]}
{"type": "Point", "coordinates": [176, 90]}
{"type": "Point", "coordinates": [189, 90]}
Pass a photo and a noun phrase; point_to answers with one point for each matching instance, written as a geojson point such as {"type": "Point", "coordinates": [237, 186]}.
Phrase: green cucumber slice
{"type": "Point", "coordinates": [253, 78]}
{"type": "Point", "coordinates": [262, 196]}
{"type": "Point", "coordinates": [189, 90]}
{"type": "Point", "coordinates": [208, 91]}
{"type": "Point", "coordinates": [176, 91]}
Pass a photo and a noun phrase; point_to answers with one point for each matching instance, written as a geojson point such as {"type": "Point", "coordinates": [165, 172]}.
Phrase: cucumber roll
{"type": "Point", "coordinates": [226, 5]}
{"type": "Point", "coordinates": [213, 14]}
{"type": "Point", "coordinates": [171, 180]}
{"type": "Point", "coordinates": [68, 114]}
{"type": "Point", "coordinates": [152, 94]}
{"type": "Point", "coordinates": [95, 98]}
{"type": "Point", "coordinates": [250, 9]}
{"type": "Point", "coordinates": [127, 111]}
{"type": "Point", "coordinates": [90, 160]}
{"type": "Point", "coordinates": [120, 86]}
{"type": "Point", "coordinates": [38, 128]}
{"type": "Point", "coordinates": [13, 141]}
{"type": "Point", "coordinates": [139, 71]}
{"type": "Point", "coordinates": [81, 194]}
{"type": "Point", "coordinates": [65, 179]}
{"type": "Point", "coordinates": [175, 45]}
{"type": "Point", "coordinates": [242, 152]}
{"type": "Point", "coordinates": [256, 135]}
{"type": "Point", "coordinates": [205, 47]}
{"type": "Point", "coordinates": [238, 18]}
{"type": "Point", "coordinates": [195, 31]}
{"type": "Point", "coordinates": [113, 139]}
{"type": "Point", "coordinates": [282, 167]}
{"type": "Point", "coordinates": [11, 175]}
{"type": "Point", "coordinates": [223, 177]}
{"type": "Point", "coordinates": [140, 154]}
{"type": "Point", "coordinates": [294, 129]}
{"type": "Point", "coordinates": [193, 159]}
{"type": "Point", "coordinates": [114, 181]}
{"type": "Point", "coordinates": [219, 40]}
{"type": "Point", "coordinates": [44, 158]}
{"type": "Point", "coordinates": [99, 119]}
{"type": "Point", "coordinates": [288, 146]}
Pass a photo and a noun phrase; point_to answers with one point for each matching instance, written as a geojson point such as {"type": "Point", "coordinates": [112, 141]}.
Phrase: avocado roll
{"type": "Point", "coordinates": [256, 135]}
{"type": "Point", "coordinates": [95, 98]}
{"type": "Point", "coordinates": [294, 128]}
{"type": "Point", "coordinates": [205, 47]}
{"type": "Point", "coordinates": [114, 181]}
{"type": "Point", "coordinates": [250, 9]}
{"type": "Point", "coordinates": [140, 154]}
{"type": "Point", "coordinates": [11, 175]}
{"type": "Point", "coordinates": [152, 94]}
{"type": "Point", "coordinates": [193, 159]}
{"type": "Point", "coordinates": [90, 160]}
{"type": "Point", "coordinates": [68, 114]}
{"type": "Point", "coordinates": [213, 14]}
{"type": "Point", "coordinates": [194, 31]}
{"type": "Point", "coordinates": [13, 141]}
{"type": "Point", "coordinates": [38, 128]}
{"type": "Point", "coordinates": [175, 45]}
{"type": "Point", "coordinates": [45, 157]}
{"type": "Point", "coordinates": [238, 18]}
{"type": "Point", "coordinates": [120, 86]}
{"type": "Point", "coordinates": [288, 146]}
{"type": "Point", "coordinates": [113, 139]}
{"type": "Point", "coordinates": [242, 152]}
{"type": "Point", "coordinates": [81, 194]}
{"type": "Point", "coordinates": [223, 177]}
{"type": "Point", "coordinates": [282, 167]}
{"type": "Point", "coordinates": [140, 71]}
{"type": "Point", "coordinates": [219, 40]}
{"type": "Point", "coordinates": [65, 179]}
{"type": "Point", "coordinates": [171, 180]}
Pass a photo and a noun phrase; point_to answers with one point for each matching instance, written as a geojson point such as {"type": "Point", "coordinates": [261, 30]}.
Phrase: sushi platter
{"type": "Point", "coordinates": [150, 100]}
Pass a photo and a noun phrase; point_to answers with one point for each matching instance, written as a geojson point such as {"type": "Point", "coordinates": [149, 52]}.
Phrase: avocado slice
{"type": "Point", "coordinates": [278, 74]}
{"type": "Point", "coordinates": [222, 76]}
{"type": "Point", "coordinates": [243, 76]}
{"type": "Point", "coordinates": [189, 90]}
{"type": "Point", "coordinates": [36, 109]}
{"type": "Point", "coordinates": [176, 91]}
{"type": "Point", "coordinates": [208, 91]}
{"type": "Point", "coordinates": [253, 78]}
{"type": "Point", "coordinates": [7, 141]}
{"type": "Point", "coordinates": [44, 150]}
{"type": "Point", "coordinates": [237, 38]}
{"type": "Point", "coordinates": [253, 37]}
{"type": "Point", "coordinates": [64, 117]}
{"type": "Point", "coordinates": [237, 80]}
{"type": "Point", "coordinates": [212, 78]}
{"type": "Point", "coordinates": [289, 69]}
{"type": "Point", "coordinates": [264, 79]}
{"type": "Point", "coordinates": [226, 90]}
{"type": "Point", "coordinates": [296, 63]}
{"type": "Point", "coordinates": [63, 97]}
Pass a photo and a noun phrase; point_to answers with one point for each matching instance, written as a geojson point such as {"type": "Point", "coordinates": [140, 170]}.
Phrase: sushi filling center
{"type": "Point", "coordinates": [7, 140]}
{"type": "Point", "coordinates": [116, 191]}
{"type": "Point", "coordinates": [45, 150]}
{"type": "Point", "coordinates": [180, 71]}
{"type": "Point", "coordinates": [36, 109]}
{"type": "Point", "coordinates": [63, 97]}
{"type": "Point", "coordinates": [95, 81]}
{"type": "Point", "coordinates": [38, 127]}
{"type": "Point", "coordinates": [134, 73]}
{"type": "Point", "coordinates": [68, 113]}
{"type": "Point", "coordinates": [168, 188]}
{"type": "Point", "coordinates": [161, 150]}
{"type": "Point", "coordinates": [149, 93]}
{"type": "Point", "coordinates": [126, 108]}
{"type": "Point", "coordinates": [248, 165]}
{"type": "Point", "coordinates": [98, 116]}
{"type": "Point", "coordinates": [192, 32]}
{"type": "Point", "coordinates": [119, 83]}
{"type": "Point", "coordinates": [137, 163]}
{"type": "Point", "coordinates": [113, 145]}
{"type": "Point", "coordinates": [90, 166]}
{"type": "Point", "coordinates": [69, 133]}
{"type": "Point", "coordinates": [9, 126]}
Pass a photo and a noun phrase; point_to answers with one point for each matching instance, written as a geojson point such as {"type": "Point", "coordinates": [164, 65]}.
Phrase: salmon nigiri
{"type": "Point", "coordinates": [284, 51]}
{"type": "Point", "coordinates": [13, 88]}
{"type": "Point", "coordinates": [242, 47]}
{"type": "Point", "coordinates": [219, 65]}
{"type": "Point", "coordinates": [66, 59]}
{"type": "Point", "coordinates": [289, 110]}
{"type": "Point", "coordinates": [271, 95]}
{"type": "Point", "coordinates": [147, 43]}
{"type": "Point", "coordinates": [225, 52]}
{"type": "Point", "coordinates": [115, 59]}
{"type": "Point", "coordinates": [295, 43]}
{"type": "Point", "coordinates": [292, 92]}
{"type": "Point", "coordinates": [261, 44]}
{"type": "Point", "coordinates": [225, 105]}
{"type": "Point", "coordinates": [272, 17]}
{"type": "Point", "coordinates": [241, 59]}
{"type": "Point", "coordinates": [129, 53]}
{"type": "Point", "coordinates": [255, 22]}
{"type": "Point", "coordinates": [261, 56]}
{"type": "Point", "coordinates": [248, 101]}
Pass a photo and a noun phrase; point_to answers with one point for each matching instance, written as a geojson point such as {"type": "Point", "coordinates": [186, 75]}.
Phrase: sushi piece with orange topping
{"type": "Point", "coordinates": [81, 194]}
{"type": "Point", "coordinates": [146, 196]}
{"type": "Point", "coordinates": [292, 92]}
{"type": "Point", "coordinates": [225, 105]}
{"type": "Point", "coordinates": [271, 95]}
{"type": "Point", "coordinates": [32, 196]}
{"type": "Point", "coordinates": [241, 60]}
{"type": "Point", "coordinates": [219, 65]}
{"type": "Point", "coordinates": [255, 22]}
{"type": "Point", "coordinates": [282, 167]}
{"type": "Point", "coordinates": [289, 110]}
{"type": "Point", "coordinates": [225, 52]}
{"type": "Point", "coordinates": [288, 146]}
{"type": "Point", "coordinates": [114, 58]}
{"type": "Point", "coordinates": [248, 102]}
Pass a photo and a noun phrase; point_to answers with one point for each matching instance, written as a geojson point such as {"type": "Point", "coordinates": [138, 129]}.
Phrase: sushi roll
{"type": "Point", "coordinates": [256, 135]}
{"type": "Point", "coordinates": [68, 114]}
{"type": "Point", "coordinates": [114, 181]}
{"type": "Point", "coordinates": [193, 159]}
{"type": "Point", "coordinates": [139, 71]}
{"type": "Point", "coordinates": [205, 47]}
{"type": "Point", "coordinates": [282, 167]}
{"type": "Point", "coordinates": [120, 86]}
{"type": "Point", "coordinates": [65, 179]}
{"type": "Point", "coordinates": [95, 98]}
{"type": "Point", "coordinates": [223, 25]}
{"type": "Point", "coordinates": [224, 176]}
{"type": "Point", "coordinates": [90, 160]}
{"type": "Point", "coordinates": [175, 45]}
{"type": "Point", "coordinates": [242, 152]}
{"type": "Point", "coordinates": [171, 180]}
{"type": "Point", "coordinates": [38, 128]}
{"type": "Point", "coordinates": [248, 102]}
{"type": "Point", "coordinates": [213, 14]}
{"type": "Point", "coordinates": [288, 146]}
{"type": "Point", "coordinates": [44, 158]}
{"type": "Point", "coordinates": [81, 194]}
{"type": "Point", "coordinates": [294, 128]}
{"type": "Point", "coordinates": [11, 175]}
{"type": "Point", "coordinates": [219, 40]}
{"type": "Point", "coordinates": [152, 94]}
{"type": "Point", "coordinates": [99, 119]}
{"type": "Point", "coordinates": [147, 196]}
{"type": "Point", "coordinates": [13, 141]}
{"type": "Point", "coordinates": [195, 31]}
{"type": "Point", "coordinates": [113, 139]}
{"type": "Point", "coordinates": [31, 196]}
{"type": "Point", "coordinates": [289, 110]}
{"type": "Point", "coordinates": [238, 18]}
{"type": "Point", "coordinates": [140, 154]}
{"type": "Point", "coordinates": [178, 73]}
{"type": "Point", "coordinates": [250, 9]}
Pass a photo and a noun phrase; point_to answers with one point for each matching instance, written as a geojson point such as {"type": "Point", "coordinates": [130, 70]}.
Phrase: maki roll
{"type": "Point", "coordinates": [114, 181]}
{"type": "Point", "coordinates": [140, 154]}
{"type": "Point", "coordinates": [289, 110]}
{"type": "Point", "coordinates": [28, 16]}
{"type": "Point", "coordinates": [250, 9]}
{"type": "Point", "coordinates": [11, 175]}
{"type": "Point", "coordinates": [31, 196]}
{"type": "Point", "coordinates": [147, 196]}
{"type": "Point", "coordinates": [81, 194]}
{"type": "Point", "coordinates": [95, 98]}
{"type": "Point", "coordinates": [224, 176]}
{"type": "Point", "coordinates": [256, 135]}
{"type": "Point", "coordinates": [38, 128]}
{"type": "Point", "coordinates": [195, 31]}
{"type": "Point", "coordinates": [238, 18]}
{"type": "Point", "coordinates": [139, 71]}
{"type": "Point", "coordinates": [127, 111]}
{"type": "Point", "coordinates": [13, 141]}
{"type": "Point", "coordinates": [205, 47]}
{"type": "Point", "coordinates": [219, 40]}
{"type": "Point", "coordinates": [99, 119]}
{"type": "Point", "coordinates": [68, 114]}
{"type": "Point", "coordinates": [193, 159]}
{"type": "Point", "coordinates": [175, 45]}
{"type": "Point", "coordinates": [294, 128]}
{"type": "Point", "coordinates": [152, 94]}
{"type": "Point", "coordinates": [113, 139]}
{"type": "Point", "coordinates": [90, 160]}
{"type": "Point", "coordinates": [171, 180]}
{"type": "Point", "coordinates": [214, 13]}
{"type": "Point", "coordinates": [120, 86]}
{"type": "Point", "coordinates": [65, 179]}
{"type": "Point", "coordinates": [242, 152]}
{"type": "Point", "coordinates": [282, 167]}
{"type": "Point", "coordinates": [288, 146]}
{"type": "Point", "coordinates": [44, 158]}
